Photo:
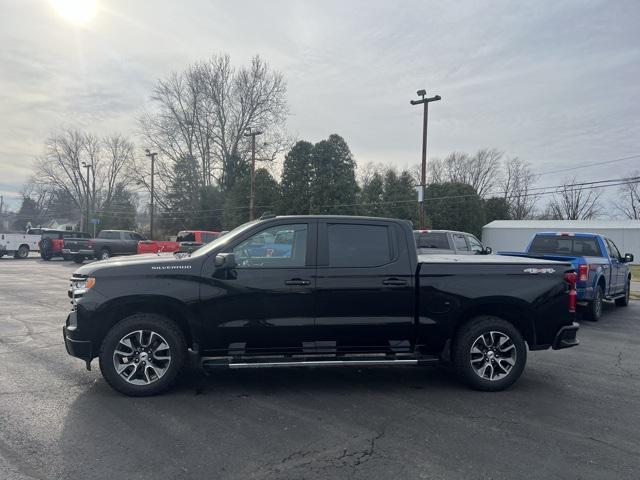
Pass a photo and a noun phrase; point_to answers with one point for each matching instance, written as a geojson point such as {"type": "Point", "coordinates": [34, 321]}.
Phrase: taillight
{"type": "Point", "coordinates": [570, 278]}
{"type": "Point", "coordinates": [90, 244]}
{"type": "Point", "coordinates": [583, 273]}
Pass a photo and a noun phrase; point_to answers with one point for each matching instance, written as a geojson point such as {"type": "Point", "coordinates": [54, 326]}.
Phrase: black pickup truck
{"type": "Point", "coordinates": [316, 291]}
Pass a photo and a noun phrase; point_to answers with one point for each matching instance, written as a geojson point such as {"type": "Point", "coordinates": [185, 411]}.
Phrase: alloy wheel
{"type": "Point", "coordinates": [493, 355]}
{"type": "Point", "coordinates": [142, 357]}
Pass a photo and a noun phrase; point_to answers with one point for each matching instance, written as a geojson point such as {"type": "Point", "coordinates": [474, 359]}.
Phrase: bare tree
{"type": "Point", "coordinates": [575, 202]}
{"type": "Point", "coordinates": [203, 113]}
{"type": "Point", "coordinates": [61, 167]}
{"type": "Point", "coordinates": [516, 185]}
{"type": "Point", "coordinates": [481, 170]}
{"type": "Point", "coordinates": [629, 197]}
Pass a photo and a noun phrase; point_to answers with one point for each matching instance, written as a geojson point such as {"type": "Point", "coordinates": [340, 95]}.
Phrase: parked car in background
{"type": "Point", "coordinates": [448, 242]}
{"type": "Point", "coordinates": [186, 241]}
{"type": "Point", "coordinates": [52, 242]}
{"type": "Point", "coordinates": [603, 273]}
{"type": "Point", "coordinates": [108, 243]}
{"type": "Point", "coordinates": [18, 244]}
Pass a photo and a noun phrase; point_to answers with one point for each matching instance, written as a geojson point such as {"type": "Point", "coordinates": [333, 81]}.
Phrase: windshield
{"type": "Point", "coordinates": [222, 240]}
{"type": "Point", "coordinates": [565, 245]}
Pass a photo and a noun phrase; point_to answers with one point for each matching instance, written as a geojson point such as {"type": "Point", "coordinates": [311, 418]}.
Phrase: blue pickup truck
{"type": "Point", "coordinates": [603, 273]}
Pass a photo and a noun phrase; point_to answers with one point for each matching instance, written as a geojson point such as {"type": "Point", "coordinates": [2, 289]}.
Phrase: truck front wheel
{"type": "Point", "coordinates": [489, 353]}
{"type": "Point", "coordinates": [624, 301]}
{"type": "Point", "coordinates": [142, 355]}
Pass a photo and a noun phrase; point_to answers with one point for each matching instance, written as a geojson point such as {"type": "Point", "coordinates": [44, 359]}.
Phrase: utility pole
{"type": "Point", "coordinates": [423, 174]}
{"type": "Point", "coordinates": [252, 133]}
{"type": "Point", "coordinates": [153, 161]}
{"type": "Point", "coordinates": [89, 166]}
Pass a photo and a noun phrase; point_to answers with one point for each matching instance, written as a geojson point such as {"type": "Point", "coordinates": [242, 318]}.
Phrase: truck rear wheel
{"type": "Point", "coordinates": [105, 254]}
{"type": "Point", "coordinates": [489, 353]}
{"type": "Point", "coordinates": [142, 355]}
{"type": "Point", "coordinates": [594, 308]}
{"type": "Point", "coordinates": [23, 252]}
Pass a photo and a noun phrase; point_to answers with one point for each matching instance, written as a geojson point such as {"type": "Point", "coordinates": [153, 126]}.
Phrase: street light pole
{"type": "Point", "coordinates": [153, 160]}
{"type": "Point", "coordinates": [89, 166]}
{"type": "Point", "coordinates": [252, 133]}
{"type": "Point", "coordinates": [423, 174]}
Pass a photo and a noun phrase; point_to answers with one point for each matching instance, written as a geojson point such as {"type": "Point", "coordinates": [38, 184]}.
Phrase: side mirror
{"type": "Point", "coordinates": [628, 257]}
{"type": "Point", "coordinates": [225, 261]}
{"type": "Point", "coordinates": [487, 251]}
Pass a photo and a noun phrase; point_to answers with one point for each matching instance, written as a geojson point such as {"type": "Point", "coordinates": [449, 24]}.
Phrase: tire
{"type": "Point", "coordinates": [166, 372]}
{"type": "Point", "coordinates": [78, 259]}
{"type": "Point", "coordinates": [104, 254]}
{"type": "Point", "coordinates": [22, 253]}
{"type": "Point", "coordinates": [594, 309]}
{"type": "Point", "coordinates": [489, 342]}
{"type": "Point", "coordinates": [624, 301]}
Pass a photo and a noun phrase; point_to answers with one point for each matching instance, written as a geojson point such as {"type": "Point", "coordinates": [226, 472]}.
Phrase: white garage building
{"type": "Point", "coordinates": [514, 235]}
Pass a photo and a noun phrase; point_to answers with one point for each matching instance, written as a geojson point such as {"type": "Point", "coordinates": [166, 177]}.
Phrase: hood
{"type": "Point", "coordinates": [145, 264]}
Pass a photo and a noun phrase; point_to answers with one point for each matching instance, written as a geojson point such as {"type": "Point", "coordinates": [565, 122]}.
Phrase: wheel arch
{"type": "Point", "coordinates": [517, 312]}
{"type": "Point", "coordinates": [122, 307]}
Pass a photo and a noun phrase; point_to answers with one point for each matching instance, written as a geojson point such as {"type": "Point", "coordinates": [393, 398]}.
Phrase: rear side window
{"type": "Point", "coordinates": [109, 235]}
{"type": "Point", "coordinates": [565, 245]}
{"type": "Point", "coordinates": [358, 245]}
{"type": "Point", "coordinates": [432, 240]}
{"type": "Point", "coordinates": [460, 242]}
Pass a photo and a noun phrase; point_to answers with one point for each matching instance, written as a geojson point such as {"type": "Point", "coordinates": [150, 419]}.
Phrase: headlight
{"type": "Point", "coordinates": [81, 286]}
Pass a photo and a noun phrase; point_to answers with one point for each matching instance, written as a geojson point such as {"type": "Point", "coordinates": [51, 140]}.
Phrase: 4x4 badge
{"type": "Point", "coordinates": [539, 270]}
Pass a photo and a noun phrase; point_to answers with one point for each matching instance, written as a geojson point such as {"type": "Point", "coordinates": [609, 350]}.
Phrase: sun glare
{"type": "Point", "coordinates": [77, 12]}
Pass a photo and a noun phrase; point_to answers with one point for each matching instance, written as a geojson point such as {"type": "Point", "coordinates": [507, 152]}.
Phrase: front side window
{"type": "Point", "coordinates": [186, 237]}
{"type": "Point", "coordinates": [474, 244]}
{"type": "Point", "coordinates": [615, 253]}
{"type": "Point", "coordinates": [279, 246]}
{"type": "Point", "coordinates": [460, 243]}
{"type": "Point", "coordinates": [358, 245]}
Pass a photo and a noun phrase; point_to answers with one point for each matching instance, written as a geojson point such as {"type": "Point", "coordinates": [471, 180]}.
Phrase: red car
{"type": "Point", "coordinates": [52, 241]}
{"type": "Point", "coordinates": [186, 241]}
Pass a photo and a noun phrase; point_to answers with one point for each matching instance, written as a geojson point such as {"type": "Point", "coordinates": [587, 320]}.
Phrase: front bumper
{"type": "Point", "coordinates": [567, 337]}
{"type": "Point", "coordinates": [75, 347]}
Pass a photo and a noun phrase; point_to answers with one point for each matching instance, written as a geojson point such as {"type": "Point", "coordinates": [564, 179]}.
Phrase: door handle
{"type": "Point", "coordinates": [394, 282]}
{"type": "Point", "coordinates": [297, 282]}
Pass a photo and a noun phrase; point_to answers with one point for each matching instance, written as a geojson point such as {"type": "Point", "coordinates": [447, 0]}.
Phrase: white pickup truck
{"type": "Point", "coordinates": [18, 244]}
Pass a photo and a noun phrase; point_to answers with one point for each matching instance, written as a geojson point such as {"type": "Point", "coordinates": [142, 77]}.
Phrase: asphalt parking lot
{"type": "Point", "coordinates": [573, 415]}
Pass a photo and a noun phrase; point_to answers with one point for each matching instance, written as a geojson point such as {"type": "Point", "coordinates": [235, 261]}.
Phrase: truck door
{"type": "Point", "coordinates": [460, 244]}
{"type": "Point", "coordinates": [618, 270]}
{"type": "Point", "coordinates": [266, 304]}
{"type": "Point", "coordinates": [365, 293]}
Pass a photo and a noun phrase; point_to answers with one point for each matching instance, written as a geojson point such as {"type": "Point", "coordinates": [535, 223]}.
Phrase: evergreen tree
{"type": "Point", "coordinates": [120, 214]}
{"type": "Point", "coordinates": [371, 196]}
{"type": "Point", "coordinates": [454, 206]}
{"type": "Point", "coordinates": [400, 196]}
{"type": "Point", "coordinates": [296, 180]}
{"type": "Point", "coordinates": [496, 208]}
{"type": "Point", "coordinates": [236, 205]}
{"type": "Point", "coordinates": [28, 214]}
{"type": "Point", "coordinates": [334, 187]}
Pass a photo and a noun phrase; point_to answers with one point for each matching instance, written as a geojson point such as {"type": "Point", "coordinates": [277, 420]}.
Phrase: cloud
{"type": "Point", "coordinates": [554, 83]}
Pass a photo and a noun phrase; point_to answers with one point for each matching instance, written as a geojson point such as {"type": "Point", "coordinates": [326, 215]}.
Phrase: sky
{"type": "Point", "coordinates": [555, 83]}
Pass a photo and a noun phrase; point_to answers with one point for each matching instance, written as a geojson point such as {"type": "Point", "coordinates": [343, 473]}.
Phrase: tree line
{"type": "Point", "coordinates": [197, 121]}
